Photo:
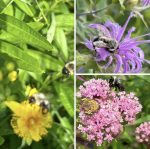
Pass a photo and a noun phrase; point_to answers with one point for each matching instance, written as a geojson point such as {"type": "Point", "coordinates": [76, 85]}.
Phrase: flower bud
{"type": "Point", "coordinates": [12, 76]}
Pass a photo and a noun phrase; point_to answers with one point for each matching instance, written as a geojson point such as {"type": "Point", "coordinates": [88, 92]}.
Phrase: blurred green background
{"type": "Point", "coordinates": [140, 85]}
{"type": "Point", "coordinates": [36, 41]}
{"type": "Point", "coordinates": [107, 10]}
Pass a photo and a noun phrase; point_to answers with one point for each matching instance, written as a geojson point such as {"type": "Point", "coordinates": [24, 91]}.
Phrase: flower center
{"type": "Point", "coordinates": [31, 121]}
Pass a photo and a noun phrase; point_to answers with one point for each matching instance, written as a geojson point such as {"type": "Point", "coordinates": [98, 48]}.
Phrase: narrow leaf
{"type": "Point", "coordinates": [36, 25]}
{"type": "Point", "coordinates": [65, 20]}
{"type": "Point", "coordinates": [23, 59]}
{"type": "Point", "coordinates": [25, 7]}
{"type": "Point", "coordinates": [51, 31]}
{"type": "Point", "coordinates": [47, 62]}
{"type": "Point", "coordinates": [65, 93]}
{"type": "Point", "coordinates": [24, 32]}
{"type": "Point", "coordinates": [61, 42]}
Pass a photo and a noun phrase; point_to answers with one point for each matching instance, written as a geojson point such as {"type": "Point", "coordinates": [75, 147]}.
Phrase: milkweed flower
{"type": "Point", "coordinates": [115, 109]}
{"type": "Point", "coordinates": [129, 106]}
{"type": "Point", "coordinates": [94, 88]}
{"type": "Point", "coordinates": [28, 121]}
{"type": "Point", "coordinates": [143, 133]}
{"type": "Point", "coordinates": [128, 56]}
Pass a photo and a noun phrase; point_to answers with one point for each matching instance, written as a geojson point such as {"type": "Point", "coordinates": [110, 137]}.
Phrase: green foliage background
{"type": "Point", "coordinates": [107, 10]}
{"type": "Point", "coordinates": [36, 41]}
{"type": "Point", "coordinates": [140, 86]}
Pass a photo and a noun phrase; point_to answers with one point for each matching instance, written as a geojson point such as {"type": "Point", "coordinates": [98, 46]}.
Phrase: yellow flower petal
{"type": "Point", "coordinates": [33, 91]}
{"type": "Point", "coordinates": [15, 107]}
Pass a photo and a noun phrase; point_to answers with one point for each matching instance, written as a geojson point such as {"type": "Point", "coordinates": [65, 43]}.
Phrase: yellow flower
{"type": "Point", "coordinates": [30, 91]}
{"type": "Point", "coordinates": [10, 66]}
{"type": "Point", "coordinates": [28, 121]}
{"type": "Point", "coordinates": [12, 76]}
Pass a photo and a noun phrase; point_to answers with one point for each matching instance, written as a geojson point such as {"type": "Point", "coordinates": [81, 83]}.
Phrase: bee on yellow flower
{"type": "Point", "coordinates": [28, 121]}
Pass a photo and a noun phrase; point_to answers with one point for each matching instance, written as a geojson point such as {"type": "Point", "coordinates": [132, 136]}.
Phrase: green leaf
{"type": "Point", "coordinates": [2, 140]}
{"type": "Point", "coordinates": [47, 61]}
{"type": "Point", "coordinates": [143, 119]}
{"type": "Point", "coordinates": [145, 77]}
{"type": "Point", "coordinates": [23, 59]}
{"type": "Point", "coordinates": [51, 31]}
{"type": "Point", "coordinates": [19, 14]}
{"type": "Point", "coordinates": [61, 42]}
{"type": "Point", "coordinates": [24, 32]}
{"type": "Point", "coordinates": [65, 122]}
{"type": "Point", "coordinates": [65, 20]}
{"type": "Point", "coordinates": [9, 9]}
{"type": "Point", "coordinates": [65, 92]}
{"type": "Point", "coordinates": [114, 144]}
{"type": "Point", "coordinates": [2, 5]}
{"type": "Point", "coordinates": [36, 25]}
{"type": "Point", "coordinates": [25, 7]}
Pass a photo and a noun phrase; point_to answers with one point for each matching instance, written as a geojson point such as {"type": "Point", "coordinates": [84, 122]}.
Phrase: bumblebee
{"type": "Point", "coordinates": [105, 41]}
{"type": "Point", "coordinates": [115, 82]}
{"type": "Point", "coordinates": [68, 68]}
{"type": "Point", "coordinates": [40, 99]}
{"type": "Point", "coordinates": [89, 106]}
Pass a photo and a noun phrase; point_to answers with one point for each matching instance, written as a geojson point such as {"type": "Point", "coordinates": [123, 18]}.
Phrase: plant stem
{"type": "Point", "coordinates": [93, 12]}
{"type": "Point", "coordinates": [44, 17]}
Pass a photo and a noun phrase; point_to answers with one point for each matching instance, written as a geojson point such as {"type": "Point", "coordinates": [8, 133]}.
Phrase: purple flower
{"type": "Point", "coordinates": [143, 133]}
{"type": "Point", "coordinates": [127, 55]}
{"type": "Point", "coordinates": [145, 2]}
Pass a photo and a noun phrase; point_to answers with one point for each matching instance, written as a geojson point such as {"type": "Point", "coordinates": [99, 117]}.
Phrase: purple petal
{"type": "Point", "coordinates": [126, 66]}
{"type": "Point", "coordinates": [138, 66]}
{"type": "Point", "coordinates": [139, 52]}
{"type": "Point", "coordinates": [141, 36]}
{"type": "Point", "coordinates": [89, 44]}
{"type": "Point", "coordinates": [119, 63]}
{"type": "Point", "coordinates": [109, 62]}
{"type": "Point", "coordinates": [101, 28]}
{"type": "Point", "coordinates": [128, 36]}
{"type": "Point", "coordinates": [102, 54]}
{"type": "Point", "coordinates": [120, 35]}
{"type": "Point", "coordinates": [114, 28]}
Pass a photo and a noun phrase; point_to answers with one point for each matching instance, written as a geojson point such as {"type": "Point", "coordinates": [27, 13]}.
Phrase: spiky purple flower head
{"type": "Point", "coordinates": [128, 56]}
{"type": "Point", "coordinates": [143, 133]}
{"type": "Point", "coordinates": [115, 109]}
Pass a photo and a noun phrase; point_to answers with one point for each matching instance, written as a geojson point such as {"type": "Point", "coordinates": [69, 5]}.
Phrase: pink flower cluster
{"type": "Point", "coordinates": [129, 106]}
{"type": "Point", "coordinates": [143, 133]}
{"type": "Point", "coordinates": [94, 88]}
{"type": "Point", "coordinates": [115, 109]}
